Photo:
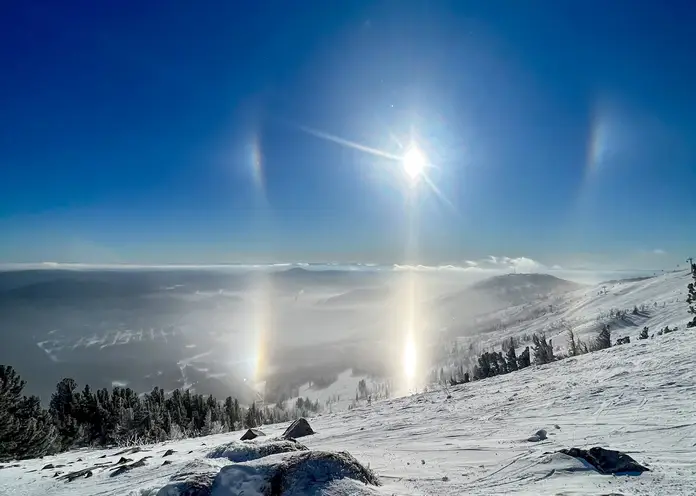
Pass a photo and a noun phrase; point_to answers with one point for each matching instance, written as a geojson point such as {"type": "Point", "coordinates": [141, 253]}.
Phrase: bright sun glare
{"type": "Point", "coordinates": [409, 361]}
{"type": "Point", "coordinates": [414, 162]}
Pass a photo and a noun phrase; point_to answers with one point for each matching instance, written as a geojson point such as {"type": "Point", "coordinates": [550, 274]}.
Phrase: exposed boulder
{"type": "Point", "coordinates": [127, 468]}
{"type": "Point", "coordinates": [128, 451]}
{"type": "Point", "coordinates": [168, 452]}
{"type": "Point", "coordinates": [238, 451]}
{"type": "Point", "coordinates": [252, 434]}
{"type": "Point", "coordinates": [607, 461]}
{"type": "Point", "coordinates": [309, 472]}
{"type": "Point", "coordinates": [123, 460]}
{"type": "Point", "coordinates": [46, 467]}
{"type": "Point", "coordinates": [299, 428]}
{"type": "Point", "coordinates": [539, 435]}
{"type": "Point", "coordinates": [194, 479]}
{"type": "Point", "coordinates": [71, 476]}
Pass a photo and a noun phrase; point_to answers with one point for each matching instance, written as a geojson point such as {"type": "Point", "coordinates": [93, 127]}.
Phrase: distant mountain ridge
{"type": "Point", "coordinates": [506, 290]}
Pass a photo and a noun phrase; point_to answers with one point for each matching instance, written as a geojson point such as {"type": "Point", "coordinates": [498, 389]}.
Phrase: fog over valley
{"type": "Point", "coordinates": [253, 332]}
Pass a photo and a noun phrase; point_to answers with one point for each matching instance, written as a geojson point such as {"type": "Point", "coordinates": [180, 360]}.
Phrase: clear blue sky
{"type": "Point", "coordinates": [562, 131]}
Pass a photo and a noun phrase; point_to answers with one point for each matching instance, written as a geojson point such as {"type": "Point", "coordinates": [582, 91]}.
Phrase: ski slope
{"type": "Point", "coordinates": [637, 398]}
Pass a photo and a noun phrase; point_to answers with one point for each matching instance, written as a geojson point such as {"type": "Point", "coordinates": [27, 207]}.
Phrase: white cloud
{"type": "Point", "coordinates": [492, 263]}
{"type": "Point", "coordinates": [659, 251]}
{"type": "Point", "coordinates": [518, 264]}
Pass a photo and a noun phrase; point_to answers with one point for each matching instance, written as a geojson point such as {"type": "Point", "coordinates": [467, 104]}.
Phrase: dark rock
{"type": "Point", "coordinates": [127, 468]}
{"type": "Point", "coordinates": [607, 461]}
{"type": "Point", "coordinates": [299, 428]}
{"type": "Point", "coordinates": [79, 460]}
{"type": "Point", "coordinates": [46, 467]}
{"type": "Point", "coordinates": [103, 456]}
{"type": "Point", "coordinates": [129, 451]}
{"type": "Point", "coordinates": [71, 476]}
{"type": "Point", "coordinates": [252, 434]}
{"type": "Point", "coordinates": [167, 462]}
{"type": "Point", "coordinates": [168, 452]}
{"type": "Point", "coordinates": [57, 473]}
{"type": "Point", "coordinates": [123, 460]}
{"type": "Point", "coordinates": [539, 435]}
{"type": "Point", "coordinates": [120, 470]}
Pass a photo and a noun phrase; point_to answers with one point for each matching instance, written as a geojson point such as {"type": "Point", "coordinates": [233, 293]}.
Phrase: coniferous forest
{"type": "Point", "coordinates": [77, 418]}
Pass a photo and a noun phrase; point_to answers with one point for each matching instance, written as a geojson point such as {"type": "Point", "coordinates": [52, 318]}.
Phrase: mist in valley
{"type": "Point", "coordinates": [253, 332]}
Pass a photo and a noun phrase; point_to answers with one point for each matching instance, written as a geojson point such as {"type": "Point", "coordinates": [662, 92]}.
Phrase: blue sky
{"type": "Point", "coordinates": [165, 132]}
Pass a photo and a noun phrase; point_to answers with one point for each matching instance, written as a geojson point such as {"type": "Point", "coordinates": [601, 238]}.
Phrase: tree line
{"type": "Point", "coordinates": [121, 416]}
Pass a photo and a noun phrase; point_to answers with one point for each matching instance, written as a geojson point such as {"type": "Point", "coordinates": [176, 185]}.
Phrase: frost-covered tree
{"type": "Point", "coordinates": [644, 333]}
{"type": "Point", "coordinates": [691, 297]}
{"type": "Point", "coordinates": [524, 360]}
{"type": "Point", "coordinates": [511, 356]}
{"type": "Point", "coordinates": [26, 430]}
{"type": "Point", "coordinates": [543, 350]}
{"type": "Point", "coordinates": [572, 344]}
{"type": "Point", "coordinates": [484, 366]}
{"type": "Point", "coordinates": [603, 339]}
{"type": "Point", "coordinates": [63, 407]}
{"type": "Point", "coordinates": [502, 364]}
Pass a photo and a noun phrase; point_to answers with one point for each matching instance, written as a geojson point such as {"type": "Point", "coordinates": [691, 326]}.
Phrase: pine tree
{"type": "Point", "coordinates": [511, 357]}
{"type": "Point", "coordinates": [524, 360]}
{"type": "Point", "coordinates": [484, 368]}
{"type": "Point", "coordinates": [502, 364]}
{"type": "Point", "coordinates": [572, 344]}
{"type": "Point", "coordinates": [26, 430]}
{"type": "Point", "coordinates": [63, 407]}
{"type": "Point", "coordinates": [543, 350]}
{"type": "Point", "coordinates": [603, 340]}
{"type": "Point", "coordinates": [691, 297]}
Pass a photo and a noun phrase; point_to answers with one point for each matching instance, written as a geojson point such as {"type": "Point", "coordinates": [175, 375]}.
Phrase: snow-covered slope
{"type": "Point", "coordinates": [637, 398]}
{"type": "Point", "coordinates": [472, 439]}
{"type": "Point", "coordinates": [585, 310]}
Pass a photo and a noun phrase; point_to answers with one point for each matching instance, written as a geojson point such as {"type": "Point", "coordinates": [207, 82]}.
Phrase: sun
{"type": "Point", "coordinates": [414, 162]}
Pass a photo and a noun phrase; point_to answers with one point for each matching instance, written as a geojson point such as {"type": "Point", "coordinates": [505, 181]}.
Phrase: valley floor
{"type": "Point", "coordinates": [638, 398]}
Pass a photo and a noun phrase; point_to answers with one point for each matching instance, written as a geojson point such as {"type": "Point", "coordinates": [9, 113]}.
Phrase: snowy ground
{"type": "Point", "coordinates": [637, 398]}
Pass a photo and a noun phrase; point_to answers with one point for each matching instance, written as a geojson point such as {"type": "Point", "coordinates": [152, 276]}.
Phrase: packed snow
{"type": "Point", "coordinates": [480, 438]}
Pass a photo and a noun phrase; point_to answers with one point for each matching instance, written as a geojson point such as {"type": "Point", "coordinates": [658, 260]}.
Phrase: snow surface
{"type": "Point", "coordinates": [638, 398]}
